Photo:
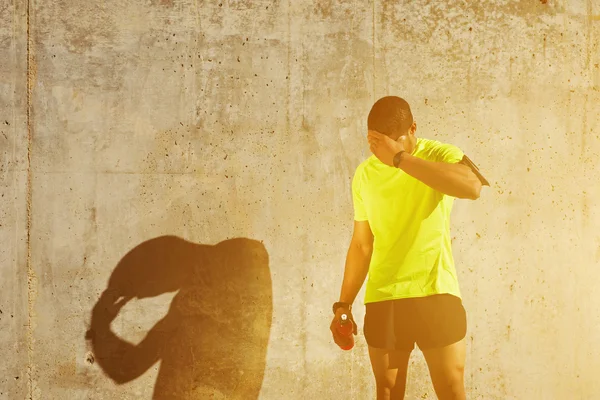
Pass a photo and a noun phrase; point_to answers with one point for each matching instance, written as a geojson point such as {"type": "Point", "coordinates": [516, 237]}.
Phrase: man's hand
{"type": "Point", "coordinates": [384, 147]}
{"type": "Point", "coordinates": [342, 340]}
{"type": "Point", "coordinates": [107, 308]}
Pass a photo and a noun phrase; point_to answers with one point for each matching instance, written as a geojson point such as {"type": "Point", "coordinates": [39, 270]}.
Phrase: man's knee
{"type": "Point", "coordinates": [457, 371]}
{"type": "Point", "coordinates": [390, 389]}
{"type": "Point", "coordinates": [456, 385]}
{"type": "Point", "coordinates": [452, 385]}
{"type": "Point", "coordinates": [385, 383]}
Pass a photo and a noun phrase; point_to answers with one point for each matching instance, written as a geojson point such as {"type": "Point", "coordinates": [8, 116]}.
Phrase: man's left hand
{"type": "Point", "coordinates": [384, 147]}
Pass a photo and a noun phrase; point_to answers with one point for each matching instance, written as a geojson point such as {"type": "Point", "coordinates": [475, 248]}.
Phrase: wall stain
{"type": "Point", "coordinates": [167, 3]}
{"type": "Point", "coordinates": [83, 25]}
{"type": "Point", "coordinates": [323, 8]}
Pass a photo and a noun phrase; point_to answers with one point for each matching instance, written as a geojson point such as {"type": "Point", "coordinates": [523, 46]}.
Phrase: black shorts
{"type": "Point", "coordinates": [433, 321]}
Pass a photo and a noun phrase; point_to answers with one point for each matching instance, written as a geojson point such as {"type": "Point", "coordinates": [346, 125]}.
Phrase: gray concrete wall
{"type": "Point", "coordinates": [157, 130]}
{"type": "Point", "coordinates": [15, 334]}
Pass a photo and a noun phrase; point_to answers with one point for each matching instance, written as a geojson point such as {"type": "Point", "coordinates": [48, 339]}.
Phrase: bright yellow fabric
{"type": "Point", "coordinates": [412, 253]}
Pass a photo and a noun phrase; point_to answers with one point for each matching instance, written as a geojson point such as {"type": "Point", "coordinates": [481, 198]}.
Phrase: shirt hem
{"type": "Point", "coordinates": [416, 296]}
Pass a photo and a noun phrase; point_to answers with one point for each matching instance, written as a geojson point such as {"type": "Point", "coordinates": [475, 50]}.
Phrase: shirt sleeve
{"type": "Point", "coordinates": [360, 213]}
{"type": "Point", "coordinates": [447, 153]}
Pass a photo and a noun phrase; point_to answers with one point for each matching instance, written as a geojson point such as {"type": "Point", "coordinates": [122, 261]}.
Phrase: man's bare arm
{"type": "Point", "coordinates": [457, 180]}
{"type": "Point", "coordinates": [357, 261]}
{"type": "Point", "coordinates": [461, 180]}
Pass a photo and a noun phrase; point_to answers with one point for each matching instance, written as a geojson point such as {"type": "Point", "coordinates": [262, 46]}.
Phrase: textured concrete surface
{"type": "Point", "coordinates": [14, 336]}
{"type": "Point", "coordinates": [157, 128]}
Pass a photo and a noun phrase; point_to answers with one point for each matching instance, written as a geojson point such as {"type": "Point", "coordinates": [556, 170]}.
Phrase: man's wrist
{"type": "Point", "coordinates": [398, 158]}
{"type": "Point", "coordinates": [339, 304]}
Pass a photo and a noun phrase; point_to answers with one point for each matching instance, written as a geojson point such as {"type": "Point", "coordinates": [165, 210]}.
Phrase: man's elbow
{"type": "Point", "coordinates": [474, 191]}
{"type": "Point", "coordinates": [363, 247]}
{"type": "Point", "coordinates": [470, 191]}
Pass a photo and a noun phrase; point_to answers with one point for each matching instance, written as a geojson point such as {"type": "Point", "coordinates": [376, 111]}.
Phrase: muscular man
{"type": "Point", "coordinates": [403, 197]}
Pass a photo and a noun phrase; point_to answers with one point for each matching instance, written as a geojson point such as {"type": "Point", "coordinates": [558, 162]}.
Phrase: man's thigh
{"type": "Point", "coordinates": [390, 367]}
{"type": "Point", "coordinates": [446, 367]}
{"type": "Point", "coordinates": [447, 359]}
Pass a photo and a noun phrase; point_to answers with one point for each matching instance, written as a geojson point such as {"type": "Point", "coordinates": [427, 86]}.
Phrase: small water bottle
{"type": "Point", "coordinates": [345, 328]}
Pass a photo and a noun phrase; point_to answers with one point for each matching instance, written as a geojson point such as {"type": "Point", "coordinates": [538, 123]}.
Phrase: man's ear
{"type": "Point", "coordinates": [413, 128]}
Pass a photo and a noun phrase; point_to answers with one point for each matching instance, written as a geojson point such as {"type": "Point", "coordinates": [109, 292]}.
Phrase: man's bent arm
{"type": "Point", "coordinates": [456, 180]}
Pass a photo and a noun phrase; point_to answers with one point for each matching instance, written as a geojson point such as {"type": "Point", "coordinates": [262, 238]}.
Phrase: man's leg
{"type": "Point", "coordinates": [389, 367]}
{"type": "Point", "coordinates": [441, 338]}
{"type": "Point", "coordinates": [446, 367]}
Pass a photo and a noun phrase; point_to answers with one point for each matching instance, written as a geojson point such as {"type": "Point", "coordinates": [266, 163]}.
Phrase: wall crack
{"type": "Point", "coordinates": [30, 274]}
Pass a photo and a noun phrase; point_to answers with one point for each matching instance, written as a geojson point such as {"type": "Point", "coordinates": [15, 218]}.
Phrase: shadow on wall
{"type": "Point", "coordinates": [213, 341]}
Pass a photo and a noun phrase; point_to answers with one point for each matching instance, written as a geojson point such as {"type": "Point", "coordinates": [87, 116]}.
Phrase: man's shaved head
{"type": "Point", "coordinates": [391, 116]}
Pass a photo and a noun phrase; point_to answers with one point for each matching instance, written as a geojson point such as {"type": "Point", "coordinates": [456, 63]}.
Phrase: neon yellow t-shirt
{"type": "Point", "coordinates": [412, 253]}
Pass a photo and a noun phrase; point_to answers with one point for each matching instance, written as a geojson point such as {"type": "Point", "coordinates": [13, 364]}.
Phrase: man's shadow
{"type": "Point", "coordinates": [213, 341]}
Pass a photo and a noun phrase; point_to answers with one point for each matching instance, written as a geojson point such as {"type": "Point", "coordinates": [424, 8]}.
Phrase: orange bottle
{"type": "Point", "coordinates": [345, 328]}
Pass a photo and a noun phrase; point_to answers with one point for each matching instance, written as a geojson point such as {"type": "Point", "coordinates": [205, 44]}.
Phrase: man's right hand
{"type": "Point", "coordinates": [339, 339]}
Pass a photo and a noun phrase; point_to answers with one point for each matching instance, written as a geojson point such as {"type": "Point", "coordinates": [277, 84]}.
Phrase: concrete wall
{"type": "Point", "coordinates": [15, 335]}
{"type": "Point", "coordinates": [156, 131]}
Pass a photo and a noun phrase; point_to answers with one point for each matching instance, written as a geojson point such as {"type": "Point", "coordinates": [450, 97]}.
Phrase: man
{"type": "Point", "coordinates": [403, 197]}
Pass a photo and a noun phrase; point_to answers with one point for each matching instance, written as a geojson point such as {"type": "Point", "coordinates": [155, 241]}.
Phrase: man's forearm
{"type": "Point", "coordinates": [456, 180]}
{"type": "Point", "coordinates": [355, 272]}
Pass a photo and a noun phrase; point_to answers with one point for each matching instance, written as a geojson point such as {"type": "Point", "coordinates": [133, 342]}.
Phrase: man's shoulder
{"type": "Point", "coordinates": [362, 171]}
{"type": "Point", "coordinates": [434, 149]}
{"type": "Point", "coordinates": [431, 143]}
{"type": "Point", "coordinates": [364, 164]}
